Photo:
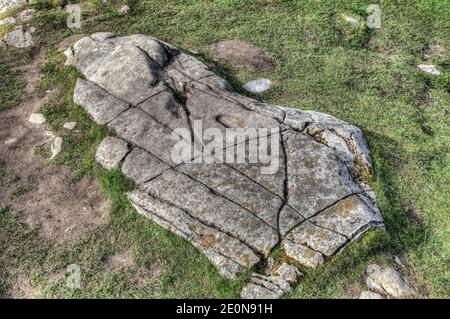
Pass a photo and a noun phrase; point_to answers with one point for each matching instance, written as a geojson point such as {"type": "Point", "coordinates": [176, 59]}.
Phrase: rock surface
{"type": "Point", "coordinates": [8, 20]}
{"type": "Point", "coordinates": [9, 4]}
{"type": "Point", "coordinates": [367, 294]}
{"type": "Point", "coordinates": [124, 9]}
{"type": "Point", "coordinates": [258, 86]}
{"type": "Point", "coordinates": [240, 54]}
{"type": "Point", "coordinates": [111, 151]}
{"type": "Point", "coordinates": [69, 125]}
{"type": "Point", "coordinates": [272, 286]}
{"type": "Point", "coordinates": [351, 19]}
{"type": "Point", "coordinates": [429, 68]}
{"type": "Point", "coordinates": [37, 118]}
{"type": "Point", "coordinates": [56, 147]}
{"type": "Point", "coordinates": [311, 206]}
{"type": "Point", "coordinates": [388, 281]}
{"type": "Point", "coordinates": [19, 38]}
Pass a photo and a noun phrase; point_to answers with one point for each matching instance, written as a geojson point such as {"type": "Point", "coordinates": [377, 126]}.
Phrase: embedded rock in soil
{"type": "Point", "coordinates": [308, 196]}
{"type": "Point", "coordinates": [5, 5]}
{"type": "Point", "coordinates": [388, 281]}
{"type": "Point", "coordinates": [111, 151]}
{"type": "Point", "coordinates": [19, 38]}
{"type": "Point", "coordinates": [272, 286]}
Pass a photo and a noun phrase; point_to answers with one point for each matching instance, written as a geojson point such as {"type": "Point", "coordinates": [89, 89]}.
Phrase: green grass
{"type": "Point", "coordinates": [364, 76]}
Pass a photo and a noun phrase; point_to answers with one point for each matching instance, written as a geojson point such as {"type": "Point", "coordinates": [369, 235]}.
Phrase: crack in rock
{"type": "Point", "coordinates": [315, 202]}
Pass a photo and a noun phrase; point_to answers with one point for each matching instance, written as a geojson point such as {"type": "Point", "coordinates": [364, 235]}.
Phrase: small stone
{"type": "Point", "coordinates": [7, 21]}
{"type": "Point", "coordinates": [435, 51]}
{"type": "Point", "coordinates": [69, 57]}
{"type": "Point", "coordinates": [37, 118]}
{"type": "Point", "coordinates": [271, 287]}
{"type": "Point", "coordinates": [32, 29]}
{"type": "Point", "coordinates": [26, 15]}
{"type": "Point", "coordinates": [10, 141]}
{"type": "Point", "coordinates": [124, 9]}
{"type": "Point", "coordinates": [387, 280]}
{"type": "Point", "coordinates": [429, 68]}
{"type": "Point", "coordinates": [69, 125]}
{"type": "Point", "coordinates": [56, 147]}
{"type": "Point", "coordinates": [350, 19]}
{"type": "Point", "coordinates": [110, 152]}
{"type": "Point", "coordinates": [19, 38]}
{"type": "Point", "coordinates": [258, 86]}
{"type": "Point", "coordinates": [367, 294]}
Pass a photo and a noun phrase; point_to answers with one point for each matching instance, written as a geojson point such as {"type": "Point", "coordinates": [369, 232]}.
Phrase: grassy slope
{"type": "Point", "coordinates": [367, 77]}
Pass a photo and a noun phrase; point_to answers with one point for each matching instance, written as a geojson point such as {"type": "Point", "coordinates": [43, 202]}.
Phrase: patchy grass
{"type": "Point", "coordinates": [365, 76]}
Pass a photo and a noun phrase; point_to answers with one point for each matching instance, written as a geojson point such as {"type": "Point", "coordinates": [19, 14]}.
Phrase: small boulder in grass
{"type": "Point", "coordinates": [69, 125]}
{"type": "Point", "coordinates": [258, 86]}
{"type": "Point", "coordinates": [351, 20]}
{"type": "Point", "coordinates": [111, 152]}
{"type": "Point", "coordinates": [7, 21]}
{"type": "Point", "coordinates": [387, 280]}
{"type": "Point", "coordinates": [124, 9]}
{"type": "Point", "coordinates": [37, 118]}
{"type": "Point", "coordinates": [429, 68]}
{"type": "Point", "coordinates": [56, 147]}
{"type": "Point", "coordinates": [367, 294]}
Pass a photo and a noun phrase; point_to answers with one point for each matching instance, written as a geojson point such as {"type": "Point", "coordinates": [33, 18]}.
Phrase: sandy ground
{"type": "Point", "coordinates": [44, 192]}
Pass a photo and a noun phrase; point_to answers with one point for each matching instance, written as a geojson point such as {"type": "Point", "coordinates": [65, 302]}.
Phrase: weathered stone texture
{"type": "Point", "coordinates": [315, 202]}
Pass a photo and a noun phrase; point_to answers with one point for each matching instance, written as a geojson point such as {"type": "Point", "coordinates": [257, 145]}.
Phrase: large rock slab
{"type": "Point", "coordinates": [305, 193]}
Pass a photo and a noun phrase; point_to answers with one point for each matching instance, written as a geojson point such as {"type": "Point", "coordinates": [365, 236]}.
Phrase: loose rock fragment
{"type": "Point", "coordinates": [258, 86]}
{"type": "Point", "coordinates": [124, 9]}
{"type": "Point", "coordinates": [271, 287]}
{"type": "Point", "coordinates": [111, 151]}
{"type": "Point", "coordinates": [69, 56]}
{"type": "Point", "coordinates": [37, 118]}
{"type": "Point", "coordinates": [387, 280]}
{"type": "Point", "coordinates": [367, 294]}
{"type": "Point", "coordinates": [69, 125]}
{"type": "Point", "coordinates": [350, 19]}
{"type": "Point", "coordinates": [429, 68]}
{"type": "Point", "coordinates": [7, 21]}
{"type": "Point", "coordinates": [26, 15]}
{"type": "Point", "coordinates": [56, 147]}
{"type": "Point", "coordinates": [19, 38]}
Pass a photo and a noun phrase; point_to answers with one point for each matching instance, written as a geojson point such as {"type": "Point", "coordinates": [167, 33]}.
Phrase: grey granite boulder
{"type": "Point", "coordinates": [272, 286]}
{"type": "Point", "coordinates": [19, 38]}
{"type": "Point", "coordinates": [258, 86]}
{"type": "Point", "coordinates": [306, 193]}
{"type": "Point", "coordinates": [111, 151]}
{"type": "Point", "coordinates": [386, 280]}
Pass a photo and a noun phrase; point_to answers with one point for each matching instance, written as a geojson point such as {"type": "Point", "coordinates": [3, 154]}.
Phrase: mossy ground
{"type": "Point", "coordinates": [365, 76]}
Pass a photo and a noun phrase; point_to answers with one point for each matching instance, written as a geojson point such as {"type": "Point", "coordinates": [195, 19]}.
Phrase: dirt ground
{"type": "Point", "coordinates": [44, 193]}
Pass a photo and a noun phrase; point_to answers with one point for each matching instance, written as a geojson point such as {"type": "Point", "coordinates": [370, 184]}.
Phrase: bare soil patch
{"type": "Point", "coordinates": [46, 194]}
